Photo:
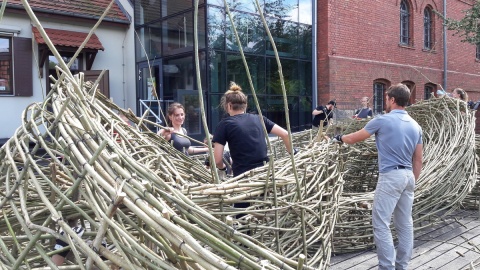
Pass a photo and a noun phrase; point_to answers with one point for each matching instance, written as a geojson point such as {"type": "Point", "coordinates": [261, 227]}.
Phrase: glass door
{"type": "Point", "coordinates": [150, 92]}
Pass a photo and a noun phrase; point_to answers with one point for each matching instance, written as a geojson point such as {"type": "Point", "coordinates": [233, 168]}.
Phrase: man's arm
{"type": "Point", "coordinates": [283, 134]}
{"type": "Point", "coordinates": [317, 112]}
{"type": "Point", "coordinates": [417, 160]}
{"type": "Point", "coordinates": [355, 137]}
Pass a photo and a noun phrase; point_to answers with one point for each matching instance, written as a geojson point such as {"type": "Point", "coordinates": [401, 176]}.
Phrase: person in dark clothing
{"type": "Point", "coordinates": [245, 137]}
{"type": "Point", "coordinates": [176, 117]}
{"type": "Point", "coordinates": [323, 113]}
{"type": "Point", "coordinates": [244, 134]}
{"type": "Point", "coordinates": [365, 111]}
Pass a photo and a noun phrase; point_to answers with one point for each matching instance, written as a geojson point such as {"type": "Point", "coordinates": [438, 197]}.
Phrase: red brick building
{"type": "Point", "coordinates": [365, 46]}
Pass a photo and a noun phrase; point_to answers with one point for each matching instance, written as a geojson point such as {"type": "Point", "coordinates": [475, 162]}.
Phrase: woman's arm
{"type": "Point", "coordinates": [283, 134]}
{"type": "Point", "coordinates": [166, 133]}
{"type": "Point", "coordinates": [197, 150]}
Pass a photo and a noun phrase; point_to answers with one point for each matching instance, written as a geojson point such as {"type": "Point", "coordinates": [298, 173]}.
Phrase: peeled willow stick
{"type": "Point", "coordinates": [213, 166]}
{"type": "Point", "coordinates": [2, 9]}
{"type": "Point", "coordinates": [287, 119]}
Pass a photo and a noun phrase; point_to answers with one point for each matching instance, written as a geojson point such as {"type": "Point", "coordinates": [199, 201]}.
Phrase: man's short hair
{"type": "Point", "coordinates": [400, 92]}
{"type": "Point", "coordinates": [332, 102]}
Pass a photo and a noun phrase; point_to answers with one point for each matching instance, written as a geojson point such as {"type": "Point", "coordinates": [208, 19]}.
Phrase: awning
{"type": "Point", "coordinates": [65, 40]}
{"type": "Point", "coordinates": [68, 38]}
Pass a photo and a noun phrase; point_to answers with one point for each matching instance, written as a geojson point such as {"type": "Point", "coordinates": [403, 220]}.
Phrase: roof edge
{"type": "Point", "coordinates": [76, 15]}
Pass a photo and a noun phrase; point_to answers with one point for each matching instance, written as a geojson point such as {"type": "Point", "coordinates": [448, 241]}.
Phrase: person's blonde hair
{"type": "Point", "coordinates": [235, 97]}
{"type": "Point", "coordinates": [463, 94]}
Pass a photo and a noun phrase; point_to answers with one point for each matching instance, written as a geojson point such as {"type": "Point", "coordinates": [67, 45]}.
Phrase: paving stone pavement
{"type": "Point", "coordinates": [451, 244]}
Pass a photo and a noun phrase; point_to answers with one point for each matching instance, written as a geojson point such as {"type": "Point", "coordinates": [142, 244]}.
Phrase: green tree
{"type": "Point", "coordinates": [469, 27]}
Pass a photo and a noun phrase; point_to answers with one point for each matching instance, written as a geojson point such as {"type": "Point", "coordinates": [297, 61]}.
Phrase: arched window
{"type": "Point", "coordinates": [429, 90]}
{"type": "Point", "coordinates": [404, 23]}
{"type": "Point", "coordinates": [428, 28]}
{"type": "Point", "coordinates": [379, 88]}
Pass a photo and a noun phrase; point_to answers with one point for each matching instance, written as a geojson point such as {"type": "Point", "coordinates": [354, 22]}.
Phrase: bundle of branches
{"type": "Point", "coordinates": [74, 161]}
{"type": "Point", "coordinates": [448, 174]}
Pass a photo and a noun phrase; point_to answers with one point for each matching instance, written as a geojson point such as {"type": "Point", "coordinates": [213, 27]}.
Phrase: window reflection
{"type": "Point", "coordinates": [4, 45]}
{"type": "Point", "coordinates": [170, 7]}
{"type": "Point", "coordinates": [305, 78]}
{"type": "Point", "coordinates": [250, 32]}
{"type": "Point", "coordinates": [236, 72]}
{"type": "Point", "coordinates": [293, 85]}
{"type": "Point", "coordinates": [216, 28]}
{"type": "Point", "coordinates": [242, 5]}
{"type": "Point", "coordinates": [147, 11]}
{"type": "Point", "coordinates": [305, 114]}
{"type": "Point", "coordinates": [285, 36]}
{"type": "Point", "coordinates": [276, 109]}
{"type": "Point", "coordinates": [149, 41]}
{"type": "Point", "coordinates": [305, 41]}
{"type": "Point", "coordinates": [178, 74]}
{"type": "Point", "coordinates": [178, 33]}
{"type": "Point", "coordinates": [217, 72]}
{"type": "Point", "coordinates": [283, 9]}
{"type": "Point", "coordinates": [305, 11]}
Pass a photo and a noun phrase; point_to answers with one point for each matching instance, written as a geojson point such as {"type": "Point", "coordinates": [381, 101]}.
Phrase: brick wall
{"type": "Point", "coordinates": [358, 42]}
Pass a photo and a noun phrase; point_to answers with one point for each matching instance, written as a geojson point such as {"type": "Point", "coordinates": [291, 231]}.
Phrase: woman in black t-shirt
{"type": "Point", "coordinates": [176, 117]}
{"type": "Point", "coordinates": [244, 134]}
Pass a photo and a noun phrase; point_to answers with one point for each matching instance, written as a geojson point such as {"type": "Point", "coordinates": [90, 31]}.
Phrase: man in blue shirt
{"type": "Point", "coordinates": [399, 142]}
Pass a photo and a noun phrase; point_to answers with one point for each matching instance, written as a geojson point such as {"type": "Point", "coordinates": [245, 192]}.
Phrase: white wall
{"type": "Point", "coordinates": [118, 57]}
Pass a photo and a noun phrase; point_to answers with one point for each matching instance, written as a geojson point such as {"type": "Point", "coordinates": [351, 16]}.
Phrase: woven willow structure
{"type": "Point", "coordinates": [74, 161]}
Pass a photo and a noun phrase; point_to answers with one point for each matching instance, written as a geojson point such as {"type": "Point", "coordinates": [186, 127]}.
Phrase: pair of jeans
{"type": "Point", "coordinates": [393, 195]}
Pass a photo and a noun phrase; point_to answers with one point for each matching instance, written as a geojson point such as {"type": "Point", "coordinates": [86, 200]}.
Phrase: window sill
{"type": "Point", "coordinates": [477, 60]}
{"type": "Point", "coordinates": [406, 46]}
{"type": "Point", "coordinates": [429, 50]}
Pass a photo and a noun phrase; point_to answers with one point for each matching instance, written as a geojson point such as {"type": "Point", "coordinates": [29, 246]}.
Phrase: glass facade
{"type": "Point", "coordinates": [165, 35]}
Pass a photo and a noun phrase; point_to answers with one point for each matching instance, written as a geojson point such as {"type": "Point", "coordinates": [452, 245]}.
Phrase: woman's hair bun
{"type": "Point", "coordinates": [234, 87]}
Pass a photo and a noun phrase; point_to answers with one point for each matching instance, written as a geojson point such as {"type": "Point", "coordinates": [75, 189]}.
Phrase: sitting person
{"type": "Point", "coordinates": [365, 111]}
{"type": "Point", "coordinates": [176, 117]}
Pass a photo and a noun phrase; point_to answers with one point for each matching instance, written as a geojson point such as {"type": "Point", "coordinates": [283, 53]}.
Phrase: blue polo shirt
{"type": "Point", "coordinates": [396, 135]}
